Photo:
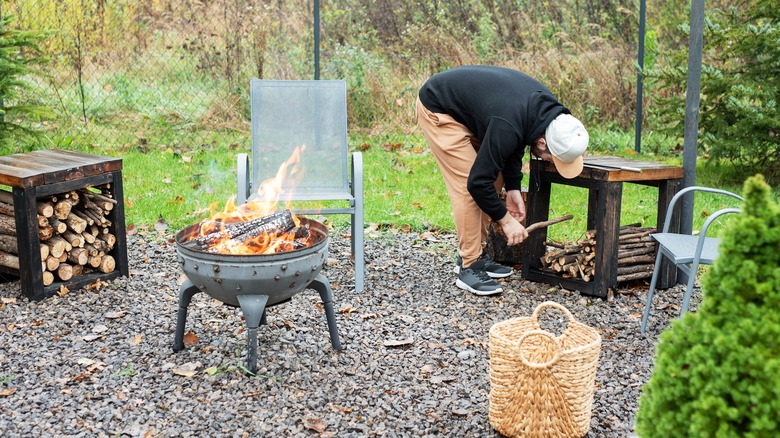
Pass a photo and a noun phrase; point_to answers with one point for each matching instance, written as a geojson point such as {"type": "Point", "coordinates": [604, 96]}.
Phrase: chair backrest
{"type": "Point", "coordinates": [689, 191]}
{"type": "Point", "coordinates": [287, 114]}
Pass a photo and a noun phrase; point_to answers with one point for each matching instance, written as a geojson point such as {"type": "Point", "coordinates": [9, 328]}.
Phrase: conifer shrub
{"type": "Point", "coordinates": [19, 56]}
{"type": "Point", "coordinates": [717, 371]}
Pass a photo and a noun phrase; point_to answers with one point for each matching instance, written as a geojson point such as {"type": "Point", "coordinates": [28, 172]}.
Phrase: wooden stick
{"type": "Point", "coordinates": [545, 224]}
{"type": "Point", "coordinates": [635, 276]}
{"type": "Point", "coordinates": [107, 264]}
{"type": "Point", "coordinates": [48, 278]}
{"type": "Point", "coordinates": [52, 263]}
{"type": "Point", "coordinates": [9, 260]}
{"type": "Point", "coordinates": [65, 271]}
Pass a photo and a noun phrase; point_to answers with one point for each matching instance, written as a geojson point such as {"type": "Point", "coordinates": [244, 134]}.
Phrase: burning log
{"type": "Point", "coordinates": [577, 260]}
{"type": "Point", "coordinates": [278, 222]}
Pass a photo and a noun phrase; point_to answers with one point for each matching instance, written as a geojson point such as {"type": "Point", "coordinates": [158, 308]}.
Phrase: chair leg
{"type": "Point", "coordinates": [358, 249]}
{"type": "Point", "coordinates": [689, 288]}
{"type": "Point", "coordinates": [358, 242]}
{"type": "Point", "coordinates": [653, 281]}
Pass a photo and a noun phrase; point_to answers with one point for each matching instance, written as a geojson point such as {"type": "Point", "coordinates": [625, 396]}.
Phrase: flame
{"type": "Point", "coordinates": [265, 203]}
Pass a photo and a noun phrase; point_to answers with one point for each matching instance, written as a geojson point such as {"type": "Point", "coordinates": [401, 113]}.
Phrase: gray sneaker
{"type": "Point", "coordinates": [493, 268]}
{"type": "Point", "coordinates": [477, 281]}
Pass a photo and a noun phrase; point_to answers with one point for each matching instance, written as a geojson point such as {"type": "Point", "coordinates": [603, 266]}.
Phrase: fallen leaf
{"type": "Point", "coordinates": [348, 309]}
{"type": "Point", "coordinates": [167, 180]}
{"type": "Point", "coordinates": [398, 342]}
{"type": "Point", "coordinates": [337, 408]}
{"type": "Point", "coordinates": [62, 291]}
{"type": "Point", "coordinates": [96, 285]}
{"type": "Point", "coordinates": [7, 392]}
{"type": "Point", "coordinates": [369, 315]}
{"type": "Point", "coordinates": [186, 158]}
{"type": "Point", "coordinates": [190, 339]}
{"type": "Point", "coordinates": [460, 412]}
{"type": "Point", "coordinates": [314, 424]}
{"type": "Point", "coordinates": [427, 369]}
{"type": "Point", "coordinates": [137, 339]}
{"type": "Point", "coordinates": [85, 361]}
{"type": "Point", "coordinates": [114, 315]}
{"type": "Point", "coordinates": [188, 369]}
{"type": "Point", "coordinates": [211, 370]}
{"type": "Point", "coordinates": [161, 225]}
{"type": "Point", "coordinates": [8, 300]}
{"type": "Point", "coordinates": [100, 328]}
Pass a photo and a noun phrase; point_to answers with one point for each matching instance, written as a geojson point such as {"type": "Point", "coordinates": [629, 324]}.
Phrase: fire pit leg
{"type": "Point", "coordinates": [322, 285]}
{"type": "Point", "coordinates": [253, 307]}
{"type": "Point", "coordinates": [186, 292]}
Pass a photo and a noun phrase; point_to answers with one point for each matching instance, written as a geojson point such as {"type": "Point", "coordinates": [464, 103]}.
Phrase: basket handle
{"type": "Point", "coordinates": [547, 364]}
{"type": "Point", "coordinates": [541, 306]}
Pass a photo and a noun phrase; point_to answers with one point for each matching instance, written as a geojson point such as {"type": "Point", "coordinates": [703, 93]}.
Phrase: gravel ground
{"type": "Point", "coordinates": [99, 362]}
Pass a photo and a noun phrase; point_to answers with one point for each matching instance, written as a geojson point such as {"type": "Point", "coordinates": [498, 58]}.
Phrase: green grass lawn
{"type": "Point", "coordinates": [404, 189]}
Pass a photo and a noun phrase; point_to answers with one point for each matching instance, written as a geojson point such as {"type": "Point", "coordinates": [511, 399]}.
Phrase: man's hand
{"type": "Point", "coordinates": [514, 231]}
{"type": "Point", "coordinates": [515, 205]}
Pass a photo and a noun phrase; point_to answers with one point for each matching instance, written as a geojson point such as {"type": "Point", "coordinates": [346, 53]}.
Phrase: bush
{"type": "Point", "coordinates": [717, 371]}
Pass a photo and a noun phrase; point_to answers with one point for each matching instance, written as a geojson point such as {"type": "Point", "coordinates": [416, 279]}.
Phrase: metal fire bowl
{"type": "Point", "coordinates": [279, 276]}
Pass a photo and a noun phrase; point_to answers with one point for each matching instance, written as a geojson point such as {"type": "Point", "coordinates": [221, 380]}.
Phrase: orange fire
{"type": "Point", "coordinates": [217, 229]}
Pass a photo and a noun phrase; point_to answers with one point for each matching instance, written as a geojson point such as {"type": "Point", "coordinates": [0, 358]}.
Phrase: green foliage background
{"type": "Point", "coordinates": [717, 371]}
{"type": "Point", "coordinates": [740, 91]}
{"type": "Point", "coordinates": [163, 84]}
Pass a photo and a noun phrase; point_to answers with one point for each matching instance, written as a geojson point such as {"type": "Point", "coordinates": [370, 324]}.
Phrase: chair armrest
{"type": "Point", "coordinates": [357, 174]}
{"type": "Point", "coordinates": [707, 223]}
{"type": "Point", "coordinates": [242, 179]}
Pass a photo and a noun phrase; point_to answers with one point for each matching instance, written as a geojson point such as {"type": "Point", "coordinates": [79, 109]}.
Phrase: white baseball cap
{"type": "Point", "coordinates": [567, 140]}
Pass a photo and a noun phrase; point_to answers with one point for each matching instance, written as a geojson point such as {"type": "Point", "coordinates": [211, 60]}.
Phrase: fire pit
{"type": "Point", "coordinates": [254, 281]}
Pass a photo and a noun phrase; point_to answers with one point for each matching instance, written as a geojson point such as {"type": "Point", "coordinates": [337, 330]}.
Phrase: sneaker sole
{"type": "Point", "coordinates": [465, 286]}
{"type": "Point", "coordinates": [456, 270]}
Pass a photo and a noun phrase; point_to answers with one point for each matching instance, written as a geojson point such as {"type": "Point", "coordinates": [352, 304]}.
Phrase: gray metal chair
{"type": "Point", "coordinates": [686, 251]}
{"type": "Point", "coordinates": [290, 114]}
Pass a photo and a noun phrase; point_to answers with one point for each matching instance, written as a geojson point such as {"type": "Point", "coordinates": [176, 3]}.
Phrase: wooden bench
{"type": "Point", "coordinates": [604, 178]}
{"type": "Point", "coordinates": [45, 173]}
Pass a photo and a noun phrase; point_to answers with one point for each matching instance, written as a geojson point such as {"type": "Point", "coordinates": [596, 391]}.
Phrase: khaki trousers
{"type": "Point", "coordinates": [455, 149]}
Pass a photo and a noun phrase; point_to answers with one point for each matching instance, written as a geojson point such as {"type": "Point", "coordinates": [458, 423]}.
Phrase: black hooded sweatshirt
{"type": "Point", "coordinates": [506, 111]}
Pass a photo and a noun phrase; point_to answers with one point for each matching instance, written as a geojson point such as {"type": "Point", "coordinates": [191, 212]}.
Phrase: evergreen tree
{"type": "Point", "coordinates": [740, 88]}
{"type": "Point", "coordinates": [19, 56]}
{"type": "Point", "coordinates": [717, 371]}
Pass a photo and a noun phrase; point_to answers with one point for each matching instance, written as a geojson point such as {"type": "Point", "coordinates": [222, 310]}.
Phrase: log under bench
{"type": "Point", "coordinates": [603, 176]}
{"type": "Point", "coordinates": [45, 173]}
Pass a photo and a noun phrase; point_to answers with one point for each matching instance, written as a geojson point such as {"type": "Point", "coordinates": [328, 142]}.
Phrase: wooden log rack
{"type": "Point", "coordinates": [95, 232]}
{"type": "Point", "coordinates": [604, 178]}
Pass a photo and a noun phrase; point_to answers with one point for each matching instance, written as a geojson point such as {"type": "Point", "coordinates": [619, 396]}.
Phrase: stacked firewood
{"type": "Point", "coordinates": [636, 255]}
{"type": "Point", "coordinates": [73, 229]}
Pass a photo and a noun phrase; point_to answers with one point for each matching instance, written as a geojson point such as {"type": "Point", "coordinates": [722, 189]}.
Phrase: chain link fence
{"type": "Point", "coordinates": [164, 73]}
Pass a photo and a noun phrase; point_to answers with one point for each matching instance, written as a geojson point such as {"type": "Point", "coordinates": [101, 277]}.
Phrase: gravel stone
{"type": "Point", "coordinates": [99, 361]}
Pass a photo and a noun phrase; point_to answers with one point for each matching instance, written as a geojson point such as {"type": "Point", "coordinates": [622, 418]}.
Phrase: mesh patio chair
{"type": "Point", "coordinates": [309, 114]}
{"type": "Point", "coordinates": [686, 251]}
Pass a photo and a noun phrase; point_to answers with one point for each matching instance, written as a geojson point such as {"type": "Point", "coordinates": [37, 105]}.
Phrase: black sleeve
{"type": "Point", "coordinates": [501, 151]}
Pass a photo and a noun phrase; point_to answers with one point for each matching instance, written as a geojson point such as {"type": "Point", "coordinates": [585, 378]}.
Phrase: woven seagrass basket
{"type": "Point", "coordinates": [541, 385]}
